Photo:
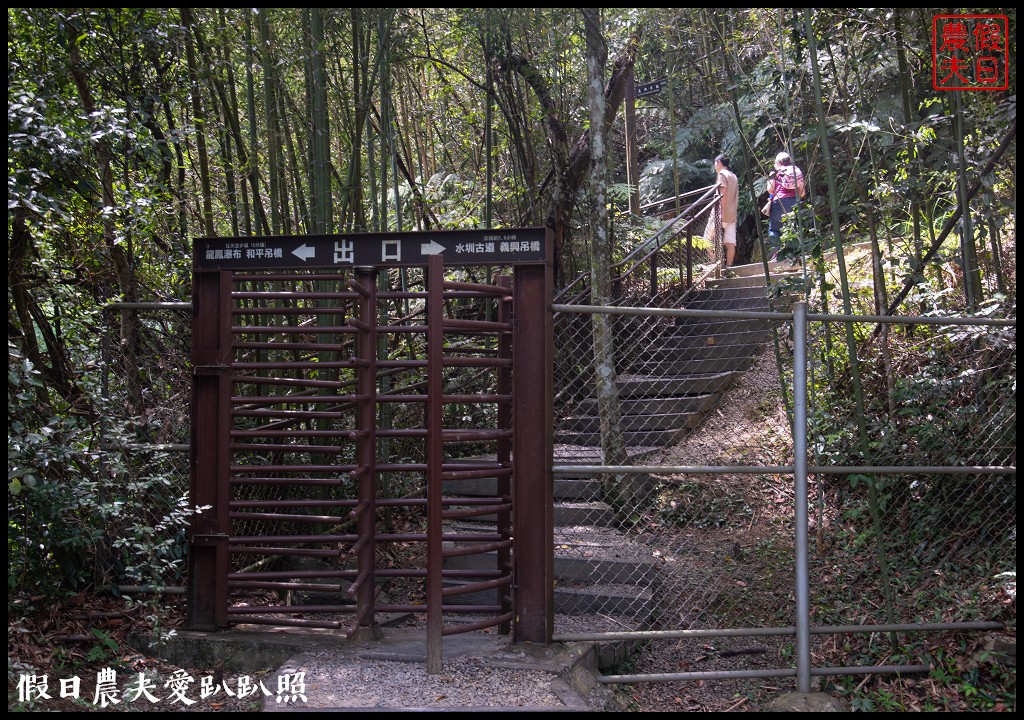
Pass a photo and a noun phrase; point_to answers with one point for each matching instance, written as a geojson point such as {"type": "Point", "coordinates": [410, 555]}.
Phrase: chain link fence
{"type": "Point", "coordinates": [912, 454]}
{"type": "Point", "coordinates": [705, 384]}
{"type": "Point", "coordinates": [144, 429]}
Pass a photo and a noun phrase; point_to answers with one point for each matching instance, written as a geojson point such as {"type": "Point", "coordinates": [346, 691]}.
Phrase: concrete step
{"type": "Point", "coordinates": [565, 488]}
{"type": "Point", "coordinates": [756, 304]}
{"type": "Point", "coordinates": [649, 406]}
{"type": "Point", "coordinates": [635, 385]}
{"type": "Point", "coordinates": [699, 366]}
{"type": "Point", "coordinates": [658, 357]}
{"type": "Point", "coordinates": [627, 601]}
{"type": "Point", "coordinates": [724, 293]}
{"type": "Point", "coordinates": [644, 422]}
{"type": "Point", "coordinates": [681, 342]}
{"type": "Point", "coordinates": [588, 512]}
{"type": "Point", "coordinates": [704, 326]}
{"type": "Point", "coordinates": [657, 438]}
{"type": "Point", "coordinates": [755, 269]}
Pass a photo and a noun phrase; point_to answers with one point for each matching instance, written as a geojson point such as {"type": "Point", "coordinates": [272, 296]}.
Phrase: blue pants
{"type": "Point", "coordinates": [780, 206]}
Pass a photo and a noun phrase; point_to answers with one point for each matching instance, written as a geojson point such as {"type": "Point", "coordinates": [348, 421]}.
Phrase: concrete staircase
{"type": "Point", "coordinates": [668, 387]}
{"type": "Point", "coordinates": [666, 391]}
{"type": "Point", "coordinates": [596, 568]}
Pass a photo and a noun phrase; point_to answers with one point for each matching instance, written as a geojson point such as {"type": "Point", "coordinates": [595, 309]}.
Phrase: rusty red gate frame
{"type": "Point", "coordinates": [240, 443]}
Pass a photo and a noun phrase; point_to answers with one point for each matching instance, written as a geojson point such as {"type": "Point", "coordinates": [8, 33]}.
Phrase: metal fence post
{"type": "Point", "coordinates": [803, 620]}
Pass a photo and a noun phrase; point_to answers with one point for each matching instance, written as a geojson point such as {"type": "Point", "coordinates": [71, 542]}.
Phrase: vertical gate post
{"type": "Point", "coordinates": [532, 445]}
{"type": "Point", "coordinates": [365, 512]}
{"type": "Point", "coordinates": [435, 422]}
{"type": "Point", "coordinates": [210, 460]}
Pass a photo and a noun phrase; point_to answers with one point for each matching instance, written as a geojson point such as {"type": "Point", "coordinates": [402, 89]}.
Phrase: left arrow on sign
{"type": "Point", "coordinates": [431, 248]}
{"type": "Point", "coordinates": [304, 252]}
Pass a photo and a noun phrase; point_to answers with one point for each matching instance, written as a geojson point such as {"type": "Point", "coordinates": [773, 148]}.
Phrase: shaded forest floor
{"type": "Point", "coordinates": [88, 634]}
{"type": "Point", "coordinates": [750, 427]}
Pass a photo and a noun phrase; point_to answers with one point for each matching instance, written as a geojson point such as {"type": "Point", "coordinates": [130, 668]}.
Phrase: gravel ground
{"type": "Point", "coordinates": [481, 681]}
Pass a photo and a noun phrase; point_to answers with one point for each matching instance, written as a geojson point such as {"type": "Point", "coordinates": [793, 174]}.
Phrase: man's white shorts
{"type": "Point", "coordinates": [729, 233]}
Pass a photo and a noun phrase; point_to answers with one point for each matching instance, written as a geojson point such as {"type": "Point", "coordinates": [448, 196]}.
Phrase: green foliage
{"type": "Point", "coordinates": [104, 650]}
{"type": "Point", "coordinates": [80, 516]}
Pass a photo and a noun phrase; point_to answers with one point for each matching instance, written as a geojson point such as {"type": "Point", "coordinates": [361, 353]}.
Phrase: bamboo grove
{"type": "Point", "coordinates": [133, 130]}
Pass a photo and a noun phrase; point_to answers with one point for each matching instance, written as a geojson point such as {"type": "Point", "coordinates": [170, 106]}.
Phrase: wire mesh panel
{"type": "Point", "coordinates": [948, 407]}
{"type": "Point", "coordinates": [700, 387]}
{"type": "Point", "coordinates": [144, 430]}
{"type": "Point", "coordinates": [912, 484]}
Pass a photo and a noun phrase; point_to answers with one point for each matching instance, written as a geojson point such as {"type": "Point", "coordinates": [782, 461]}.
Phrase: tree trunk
{"type": "Point", "coordinates": [571, 165]}
{"type": "Point", "coordinates": [122, 262]}
{"type": "Point", "coordinates": [613, 445]}
{"type": "Point", "coordinates": [271, 124]}
{"type": "Point", "coordinates": [199, 119]}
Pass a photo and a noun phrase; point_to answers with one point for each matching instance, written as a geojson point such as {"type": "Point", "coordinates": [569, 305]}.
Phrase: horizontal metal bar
{"type": "Point", "coordinates": [318, 538]}
{"type": "Point", "coordinates": [477, 586]}
{"type": "Point", "coordinates": [460, 609]}
{"type": "Point", "coordinates": [281, 517]}
{"type": "Point", "coordinates": [272, 585]}
{"type": "Point", "coordinates": [477, 474]}
{"type": "Point", "coordinates": [287, 481]}
{"type": "Point", "coordinates": [380, 572]}
{"type": "Point", "coordinates": [281, 346]}
{"type": "Point", "coordinates": [297, 311]}
{"type": "Point", "coordinates": [495, 290]}
{"type": "Point", "coordinates": [462, 399]}
{"type": "Point", "coordinates": [479, 625]}
{"type": "Point", "coordinates": [475, 511]}
{"type": "Point", "coordinates": [286, 382]}
{"type": "Point", "coordinates": [266, 432]}
{"type": "Point", "coordinates": [290, 575]}
{"type": "Point", "coordinates": [291, 295]}
{"type": "Point", "coordinates": [913, 320]}
{"type": "Point", "coordinates": [782, 672]}
{"type": "Point", "coordinates": [315, 502]}
{"type": "Point", "coordinates": [752, 314]}
{"type": "Point", "coordinates": [785, 469]}
{"type": "Point", "coordinates": [475, 549]}
{"type": "Point", "coordinates": [290, 414]}
{"type": "Point", "coordinates": [477, 325]}
{"type": "Point", "coordinates": [148, 306]}
{"type": "Point", "coordinates": [284, 448]}
{"type": "Point", "coordinates": [299, 365]}
{"type": "Point", "coordinates": [296, 622]}
{"type": "Point", "coordinates": [289, 468]}
{"type": "Point", "coordinates": [291, 329]}
{"type": "Point", "coordinates": [294, 552]}
{"type": "Point", "coordinates": [263, 609]}
{"type": "Point", "coordinates": [291, 277]}
{"type": "Point", "coordinates": [303, 398]}
{"type": "Point", "coordinates": [670, 312]}
{"type": "Point", "coordinates": [772, 632]}
{"type": "Point", "coordinates": [150, 447]}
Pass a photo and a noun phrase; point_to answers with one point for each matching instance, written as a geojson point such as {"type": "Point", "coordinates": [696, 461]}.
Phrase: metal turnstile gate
{"type": "Point", "coordinates": [359, 450]}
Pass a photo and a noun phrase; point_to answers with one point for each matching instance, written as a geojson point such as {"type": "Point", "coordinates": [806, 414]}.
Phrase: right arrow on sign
{"type": "Point", "coordinates": [431, 248]}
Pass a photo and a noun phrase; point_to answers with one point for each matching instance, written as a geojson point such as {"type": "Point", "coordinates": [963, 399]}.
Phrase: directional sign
{"type": "Point", "coordinates": [651, 88]}
{"type": "Point", "coordinates": [513, 246]}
